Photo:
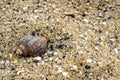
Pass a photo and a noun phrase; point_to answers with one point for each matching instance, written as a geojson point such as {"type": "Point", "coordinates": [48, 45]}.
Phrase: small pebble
{"type": "Point", "coordinates": [75, 67]}
{"type": "Point", "coordinates": [63, 56]}
{"type": "Point", "coordinates": [71, 15]}
{"type": "Point", "coordinates": [33, 33]}
{"type": "Point", "coordinates": [37, 59]}
{"type": "Point", "coordinates": [105, 10]}
{"type": "Point", "coordinates": [110, 6]}
{"type": "Point", "coordinates": [36, 17]}
{"type": "Point", "coordinates": [100, 63]}
{"type": "Point", "coordinates": [20, 71]}
{"type": "Point", "coordinates": [101, 14]}
{"type": "Point", "coordinates": [87, 67]}
{"type": "Point", "coordinates": [83, 14]}
{"type": "Point", "coordinates": [56, 59]}
{"type": "Point", "coordinates": [25, 8]}
{"type": "Point", "coordinates": [104, 23]}
{"type": "Point", "coordinates": [65, 74]}
{"type": "Point", "coordinates": [110, 17]}
{"type": "Point", "coordinates": [59, 69]}
{"type": "Point", "coordinates": [86, 20]}
{"type": "Point", "coordinates": [2, 65]}
{"type": "Point", "coordinates": [50, 58]}
{"type": "Point", "coordinates": [116, 50]}
{"type": "Point", "coordinates": [89, 60]}
{"type": "Point", "coordinates": [61, 46]}
{"type": "Point", "coordinates": [7, 63]}
{"type": "Point", "coordinates": [48, 18]}
{"type": "Point", "coordinates": [55, 53]}
{"type": "Point", "coordinates": [51, 48]}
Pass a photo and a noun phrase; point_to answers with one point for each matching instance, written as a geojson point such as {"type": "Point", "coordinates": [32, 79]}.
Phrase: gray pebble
{"type": "Point", "coordinates": [2, 65]}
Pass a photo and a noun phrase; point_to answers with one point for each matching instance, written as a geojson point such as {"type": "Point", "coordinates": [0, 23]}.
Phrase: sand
{"type": "Point", "coordinates": [84, 39]}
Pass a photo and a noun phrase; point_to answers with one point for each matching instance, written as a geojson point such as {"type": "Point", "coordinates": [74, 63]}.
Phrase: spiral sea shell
{"type": "Point", "coordinates": [32, 46]}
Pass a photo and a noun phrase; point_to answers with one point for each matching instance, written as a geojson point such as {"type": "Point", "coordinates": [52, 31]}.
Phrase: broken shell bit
{"type": "Point", "coordinates": [32, 46]}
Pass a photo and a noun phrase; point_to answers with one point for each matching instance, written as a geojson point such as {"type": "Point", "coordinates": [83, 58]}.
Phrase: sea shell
{"type": "Point", "coordinates": [32, 46]}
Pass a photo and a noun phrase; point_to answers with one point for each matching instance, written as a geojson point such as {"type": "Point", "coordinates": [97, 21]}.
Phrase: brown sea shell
{"type": "Point", "coordinates": [32, 46]}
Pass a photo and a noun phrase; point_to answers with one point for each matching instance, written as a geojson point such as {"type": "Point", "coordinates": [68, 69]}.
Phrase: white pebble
{"type": "Point", "coordinates": [50, 58]}
{"type": "Point", "coordinates": [75, 67]}
{"type": "Point", "coordinates": [100, 63]}
{"type": "Point", "coordinates": [59, 69]}
{"type": "Point", "coordinates": [116, 50]}
{"type": "Point", "coordinates": [81, 36]}
{"type": "Point", "coordinates": [19, 72]}
{"type": "Point", "coordinates": [86, 20]}
{"type": "Point", "coordinates": [101, 14]}
{"type": "Point", "coordinates": [56, 59]}
{"type": "Point", "coordinates": [86, 33]}
{"type": "Point", "coordinates": [38, 58]}
{"type": "Point", "coordinates": [96, 48]}
{"type": "Point", "coordinates": [65, 74]}
{"type": "Point", "coordinates": [104, 23]}
{"type": "Point", "coordinates": [89, 60]}
{"type": "Point", "coordinates": [86, 38]}
{"type": "Point", "coordinates": [55, 53]}
{"type": "Point", "coordinates": [36, 17]}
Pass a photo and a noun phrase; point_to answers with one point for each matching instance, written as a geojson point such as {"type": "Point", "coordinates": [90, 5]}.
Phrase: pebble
{"type": "Point", "coordinates": [50, 58]}
{"type": "Point", "coordinates": [110, 6]}
{"type": "Point", "coordinates": [71, 15]}
{"type": "Point", "coordinates": [20, 71]}
{"type": "Point", "coordinates": [65, 74]}
{"type": "Point", "coordinates": [56, 59]}
{"type": "Point", "coordinates": [59, 69]}
{"type": "Point", "coordinates": [36, 17]}
{"type": "Point", "coordinates": [7, 63]}
{"type": "Point", "coordinates": [87, 67]}
{"type": "Point", "coordinates": [51, 47]}
{"type": "Point", "coordinates": [37, 59]}
{"type": "Point", "coordinates": [2, 65]}
{"type": "Point", "coordinates": [48, 18]}
{"type": "Point", "coordinates": [86, 20]}
{"type": "Point", "coordinates": [89, 60]}
{"type": "Point", "coordinates": [75, 67]}
{"type": "Point", "coordinates": [26, 7]}
{"type": "Point", "coordinates": [33, 33]}
{"type": "Point", "coordinates": [104, 23]}
{"type": "Point", "coordinates": [110, 17]}
{"type": "Point", "coordinates": [55, 53]}
{"type": "Point", "coordinates": [61, 46]}
{"type": "Point", "coordinates": [83, 14]}
{"type": "Point", "coordinates": [116, 50]}
{"type": "Point", "coordinates": [100, 63]}
{"type": "Point", "coordinates": [101, 14]}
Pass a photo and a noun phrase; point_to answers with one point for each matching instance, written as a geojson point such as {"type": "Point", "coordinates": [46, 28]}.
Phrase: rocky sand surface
{"type": "Point", "coordinates": [84, 39]}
